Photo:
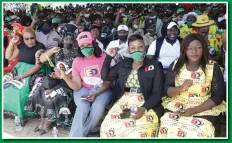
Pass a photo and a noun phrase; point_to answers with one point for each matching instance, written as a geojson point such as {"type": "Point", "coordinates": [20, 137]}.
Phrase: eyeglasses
{"type": "Point", "coordinates": [31, 38]}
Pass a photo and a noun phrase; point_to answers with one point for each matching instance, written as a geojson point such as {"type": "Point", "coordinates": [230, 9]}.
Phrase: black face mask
{"type": "Point", "coordinates": [122, 38]}
{"type": "Point", "coordinates": [68, 46]}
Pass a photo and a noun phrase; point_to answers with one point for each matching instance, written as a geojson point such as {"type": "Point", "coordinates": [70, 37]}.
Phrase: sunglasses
{"type": "Point", "coordinates": [31, 38]}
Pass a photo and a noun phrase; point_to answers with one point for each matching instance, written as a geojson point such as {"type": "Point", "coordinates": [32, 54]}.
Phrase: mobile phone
{"type": "Point", "coordinates": [125, 114]}
{"type": "Point", "coordinates": [83, 97]}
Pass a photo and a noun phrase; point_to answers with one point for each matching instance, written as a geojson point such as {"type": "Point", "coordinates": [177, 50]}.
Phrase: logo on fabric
{"type": "Point", "coordinates": [205, 89]}
{"type": "Point", "coordinates": [143, 134]}
{"type": "Point", "coordinates": [115, 117]}
{"type": "Point", "coordinates": [181, 133]}
{"type": "Point", "coordinates": [174, 116]}
{"type": "Point", "coordinates": [194, 95]}
{"type": "Point", "coordinates": [163, 130]}
{"type": "Point", "coordinates": [129, 124]}
{"type": "Point", "coordinates": [123, 107]}
{"type": "Point", "coordinates": [110, 133]}
{"type": "Point", "coordinates": [197, 122]}
{"type": "Point", "coordinates": [149, 68]}
{"type": "Point", "coordinates": [196, 75]}
{"type": "Point", "coordinates": [149, 118]}
{"type": "Point", "coordinates": [179, 106]}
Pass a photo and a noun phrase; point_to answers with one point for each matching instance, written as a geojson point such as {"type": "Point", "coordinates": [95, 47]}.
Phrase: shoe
{"type": "Point", "coordinates": [42, 131]}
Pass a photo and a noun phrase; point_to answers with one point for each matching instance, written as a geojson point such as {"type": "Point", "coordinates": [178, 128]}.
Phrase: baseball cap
{"type": "Point", "coordinates": [171, 24]}
{"type": "Point", "coordinates": [122, 27]}
{"type": "Point", "coordinates": [85, 38]}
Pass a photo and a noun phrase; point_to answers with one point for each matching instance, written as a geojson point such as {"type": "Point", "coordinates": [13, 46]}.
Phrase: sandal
{"type": "Point", "coordinates": [47, 125]}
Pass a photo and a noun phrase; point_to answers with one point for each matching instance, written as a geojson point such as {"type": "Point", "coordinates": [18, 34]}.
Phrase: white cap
{"type": "Point", "coordinates": [122, 27]}
{"type": "Point", "coordinates": [171, 24]}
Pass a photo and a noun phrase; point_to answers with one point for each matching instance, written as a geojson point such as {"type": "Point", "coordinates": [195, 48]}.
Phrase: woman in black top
{"type": "Point", "coordinates": [28, 66]}
{"type": "Point", "coordinates": [142, 81]}
{"type": "Point", "coordinates": [195, 90]}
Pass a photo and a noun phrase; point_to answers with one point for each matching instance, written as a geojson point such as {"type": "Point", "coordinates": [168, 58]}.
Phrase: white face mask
{"type": "Point", "coordinates": [135, 26]}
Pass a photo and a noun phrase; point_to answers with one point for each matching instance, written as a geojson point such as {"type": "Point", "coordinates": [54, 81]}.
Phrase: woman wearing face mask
{"type": "Point", "coordinates": [166, 49]}
{"type": "Point", "coordinates": [187, 27]}
{"type": "Point", "coordinates": [50, 96]}
{"type": "Point", "coordinates": [26, 71]}
{"type": "Point", "coordinates": [49, 37]}
{"type": "Point", "coordinates": [195, 91]}
{"type": "Point", "coordinates": [137, 112]}
{"type": "Point", "coordinates": [91, 94]}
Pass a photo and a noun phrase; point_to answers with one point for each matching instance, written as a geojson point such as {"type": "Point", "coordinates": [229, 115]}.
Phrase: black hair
{"type": "Point", "coordinates": [97, 50]}
{"type": "Point", "coordinates": [25, 19]}
{"type": "Point", "coordinates": [134, 37]}
{"type": "Point", "coordinates": [184, 59]}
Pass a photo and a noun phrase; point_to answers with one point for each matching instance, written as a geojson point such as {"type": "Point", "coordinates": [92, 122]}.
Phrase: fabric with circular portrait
{"type": "Point", "coordinates": [54, 103]}
{"type": "Point", "coordinates": [114, 126]}
{"type": "Point", "coordinates": [176, 126]}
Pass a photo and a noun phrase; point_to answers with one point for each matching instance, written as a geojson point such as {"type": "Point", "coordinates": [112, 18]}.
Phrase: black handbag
{"type": "Point", "coordinates": [49, 83]}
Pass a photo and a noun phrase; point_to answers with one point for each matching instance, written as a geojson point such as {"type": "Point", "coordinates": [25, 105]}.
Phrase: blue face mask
{"type": "Point", "coordinates": [220, 19]}
{"type": "Point", "coordinates": [45, 30]}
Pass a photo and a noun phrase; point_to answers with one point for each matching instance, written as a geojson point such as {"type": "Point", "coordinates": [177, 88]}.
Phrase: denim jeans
{"type": "Point", "coordinates": [88, 114]}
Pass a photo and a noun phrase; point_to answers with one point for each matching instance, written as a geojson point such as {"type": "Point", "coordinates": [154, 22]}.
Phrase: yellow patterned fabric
{"type": "Point", "coordinates": [132, 80]}
{"type": "Point", "coordinates": [174, 126]}
{"type": "Point", "coordinates": [114, 126]}
{"type": "Point", "coordinates": [197, 94]}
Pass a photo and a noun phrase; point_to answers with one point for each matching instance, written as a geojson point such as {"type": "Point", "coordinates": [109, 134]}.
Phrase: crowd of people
{"type": "Point", "coordinates": [162, 67]}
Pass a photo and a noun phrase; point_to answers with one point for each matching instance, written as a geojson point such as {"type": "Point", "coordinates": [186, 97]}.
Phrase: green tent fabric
{"type": "Point", "coordinates": [14, 98]}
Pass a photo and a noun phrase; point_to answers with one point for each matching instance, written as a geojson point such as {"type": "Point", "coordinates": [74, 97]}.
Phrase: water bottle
{"type": "Point", "coordinates": [133, 109]}
{"type": "Point", "coordinates": [95, 88]}
{"type": "Point", "coordinates": [18, 126]}
{"type": "Point", "coordinates": [55, 132]}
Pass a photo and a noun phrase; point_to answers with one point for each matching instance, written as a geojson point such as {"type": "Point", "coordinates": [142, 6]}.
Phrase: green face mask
{"type": "Point", "coordinates": [138, 56]}
{"type": "Point", "coordinates": [189, 23]}
{"type": "Point", "coordinates": [87, 51]}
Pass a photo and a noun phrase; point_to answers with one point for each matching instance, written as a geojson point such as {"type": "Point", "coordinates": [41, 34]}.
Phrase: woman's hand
{"type": "Point", "coordinates": [59, 73]}
{"type": "Point", "coordinates": [113, 52]}
{"type": "Point", "coordinates": [53, 75]}
{"type": "Point", "coordinates": [55, 50]}
{"type": "Point", "coordinates": [91, 97]}
{"type": "Point", "coordinates": [18, 78]}
{"type": "Point", "coordinates": [186, 85]}
{"type": "Point", "coordinates": [15, 39]}
{"type": "Point", "coordinates": [187, 112]}
{"type": "Point", "coordinates": [139, 113]}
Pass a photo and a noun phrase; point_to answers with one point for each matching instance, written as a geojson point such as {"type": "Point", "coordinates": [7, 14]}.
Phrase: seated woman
{"type": "Point", "coordinates": [167, 48]}
{"type": "Point", "coordinates": [25, 71]}
{"type": "Point", "coordinates": [142, 82]}
{"type": "Point", "coordinates": [50, 97]}
{"type": "Point", "coordinates": [194, 86]}
{"type": "Point", "coordinates": [91, 94]}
